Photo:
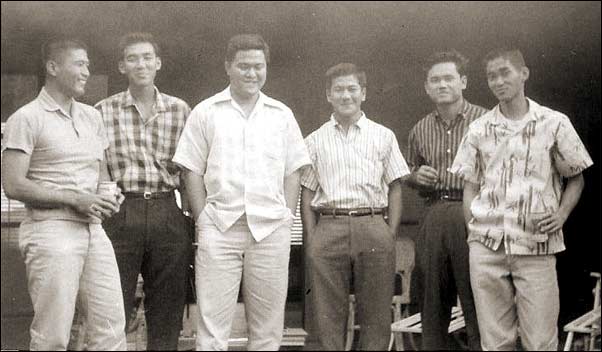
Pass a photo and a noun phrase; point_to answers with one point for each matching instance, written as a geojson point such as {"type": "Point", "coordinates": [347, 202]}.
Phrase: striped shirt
{"type": "Point", "coordinates": [243, 160]}
{"type": "Point", "coordinates": [140, 152]}
{"type": "Point", "coordinates": [434, 143]}
{"type": "Point", "coordinates": [518, 167]}
{"type": "Point", "coordinates": [352, 171]}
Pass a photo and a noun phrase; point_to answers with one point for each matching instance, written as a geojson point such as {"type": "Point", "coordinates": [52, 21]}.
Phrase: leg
{"type": "Point", "coordinates": [329, 270]}
{"type": "Point", "coordinates": [126, 232]}
{"type": "Point", "coordinates": [265, 285]}
{"type": "Point", "coordinates": [54, 257]}
{"type": "Point", "coordinates": [438, 293]}
{"type": "Point", "coordinates": [219, 264]}
{"type": "Point", "coordinates": [164, 270]}
{"type": "Point", "coordinates": [459, 260]}
{"type": "Point", "coordinates": [373, 251]}
{"type": "Point", "coordinates": [101, 295]}
{"type": "Point", "coordinates": [493, 293]}
{"type": "Point", "coordinates": [537, 300]}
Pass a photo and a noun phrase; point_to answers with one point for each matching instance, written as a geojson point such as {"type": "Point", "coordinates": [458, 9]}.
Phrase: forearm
{"type": "Point", "coordinates": [291, 190]}
{"type": "Point", "coordinates": [471, 190]}
{"type": "Point", "coordinates": [194, 191]}
{"type": "Point", "coordinates": [308, 216]}
{"type": "Point", "coordinates": [395, 206]}
{"type": "Point", "coordinates": [571, 195]}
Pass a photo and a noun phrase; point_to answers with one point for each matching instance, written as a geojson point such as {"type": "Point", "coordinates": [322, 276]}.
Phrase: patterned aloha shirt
{"type": "Point", "coordinates": [518, 166]}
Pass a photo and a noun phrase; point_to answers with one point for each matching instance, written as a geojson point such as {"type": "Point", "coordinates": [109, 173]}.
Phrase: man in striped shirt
{"type": "Point", "coordinates": [355, 176]}
{"type": "Point", "coordinates": [441, 271]}
{"type": "Point", "coordinates": [149, 234]}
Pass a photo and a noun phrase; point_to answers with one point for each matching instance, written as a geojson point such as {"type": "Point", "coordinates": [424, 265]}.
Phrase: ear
{"type": "Point", "coordinates": [227, 66]}
{"type": "Point", "coordinates": [158, 63]}
{"type": "Point", "coordinates": [121, 67]}
{"type": "Point", "coordinates": [525, 73]}
{"type": "Point", "coordinates": [364, 94]}
{"type": "Point", "coordinates": [51, 67]}
{"type": "Point", "coordinates": [464, 81]}
{"type": "Point", "coordinates": [328, 95]}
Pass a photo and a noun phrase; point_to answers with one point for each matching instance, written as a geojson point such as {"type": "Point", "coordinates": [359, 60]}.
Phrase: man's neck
{"type": "Point", "coordinates": [346, 121]}
{"type": "Point", "coordinates": [63, 100]}
{"type": "Point", "coordinates": [247, 103]}
{"type": "Point", "coordinates": [143, 94]}
{"type": "Point", "coordinates": [516, 108]}
{"type": "Point", "coordinates": [448, 112]}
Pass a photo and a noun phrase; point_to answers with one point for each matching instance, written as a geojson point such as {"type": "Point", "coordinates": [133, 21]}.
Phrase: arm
{"type": "Point", "coordinates": [424, 176]}
{"type": "Point", "coordinates": [15, 165]}
{"type": "Point", "coordinates": [308, 217]}
{"type": "Point", "coordinates": [553, 222]}
{"type": "Point", "coordinates": [395, 206]}
{"type": "Point", "coordinates": [195, 192]}
{"type": "Point", "coordinates": [291, 190]}
{"type": "Point", "coordinates": [471, 190]}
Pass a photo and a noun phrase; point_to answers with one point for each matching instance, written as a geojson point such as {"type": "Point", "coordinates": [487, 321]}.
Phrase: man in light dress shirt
{"type": "Point", "coordinates": [52, 160]}
{"type": "Point", "coordinates": [356, 169]}
{"type": "Point", "coordinates": [242, 151]}
{"type": "Point", "coordinates": [512, 160]}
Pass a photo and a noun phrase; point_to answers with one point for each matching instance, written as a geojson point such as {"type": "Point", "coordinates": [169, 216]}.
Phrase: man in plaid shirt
{"type": "Point", "coordinates": [149, 234]}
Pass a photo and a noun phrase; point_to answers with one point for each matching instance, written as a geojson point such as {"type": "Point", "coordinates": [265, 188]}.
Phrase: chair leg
{"type": "Point", "coordinates": [569, 341]}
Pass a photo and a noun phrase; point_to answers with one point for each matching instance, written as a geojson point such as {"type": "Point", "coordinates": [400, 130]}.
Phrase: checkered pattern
{"type": "Point", "coordinates": [140, 152]}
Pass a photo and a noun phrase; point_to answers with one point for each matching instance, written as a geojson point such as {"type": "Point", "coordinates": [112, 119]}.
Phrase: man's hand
{"type": "Point", "coordinates": [552, 222]}
{"type": "Point", "coordinates": [100, 206]}
{"type": "Point", "coordinates": [426, 176]}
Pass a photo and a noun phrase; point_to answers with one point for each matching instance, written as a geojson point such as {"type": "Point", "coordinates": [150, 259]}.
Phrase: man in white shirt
{"type": "Point", "coordinates": [241, 152]}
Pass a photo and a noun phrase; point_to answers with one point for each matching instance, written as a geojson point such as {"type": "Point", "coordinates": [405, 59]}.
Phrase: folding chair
{"type": "Point", "coordinates": [587, 324]}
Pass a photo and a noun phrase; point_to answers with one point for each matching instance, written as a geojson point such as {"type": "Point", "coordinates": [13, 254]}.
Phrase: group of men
{"type": "Point", "coordinates": [239, 160]}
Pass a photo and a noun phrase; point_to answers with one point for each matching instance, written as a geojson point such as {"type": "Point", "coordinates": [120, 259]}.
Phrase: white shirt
{"type": "Point", "coordinates": [352, 171]}
{"type": "Point", "coordinates": [243, 160]}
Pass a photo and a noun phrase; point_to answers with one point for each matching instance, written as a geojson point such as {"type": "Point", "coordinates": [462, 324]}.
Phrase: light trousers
{"type": "Point", "coordinates": [514, 292]}
{"type": "Point", "coordinates": [64, 259]}
{"type": "Point", "coordinates": [225, 259]}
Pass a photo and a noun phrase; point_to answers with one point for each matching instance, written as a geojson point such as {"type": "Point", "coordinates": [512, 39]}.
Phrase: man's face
{"type": "Point", "coordinates": [71, 71]}
{"type": "Point", "coordinates": [247, 73]}
{"type": "Point", "coordinates": [346, 96]}
{"type": "Point", "coordinates": [444, 85]}
{"type": "Point", "coordinates": [140, 64]}
{"type": "Point", "coordinates": [505, 80]}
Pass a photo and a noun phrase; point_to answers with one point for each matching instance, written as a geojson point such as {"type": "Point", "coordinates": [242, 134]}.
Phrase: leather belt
{"type": "Point", "coordinates": [148, 195]}
{"type": "Point", "coordinates": [334, 212]}
{"type": "Point", "coordinates": [452, 196]}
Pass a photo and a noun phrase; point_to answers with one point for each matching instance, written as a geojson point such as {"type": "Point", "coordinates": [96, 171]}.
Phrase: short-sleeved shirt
{"type": "Point", "coordinates": [66, 149]}
{"type": "Point", "coordinates": [243, 160]}
{"type": "Point", "coordinates": [434, 143]}
{"type": "Point", "coordinates": [353, 170]}
{"type": "Point", "coordinates": [519, 168]}
{"type": "Point", "coordinates": [140, 151]}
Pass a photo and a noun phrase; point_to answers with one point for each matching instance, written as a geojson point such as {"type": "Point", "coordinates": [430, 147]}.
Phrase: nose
{"type": "Point", "coordinates": [250, 73]}
{"type": "Point", "coordinates": [496, 81]}
{"type": "Point", "coordinates": [86, 71]}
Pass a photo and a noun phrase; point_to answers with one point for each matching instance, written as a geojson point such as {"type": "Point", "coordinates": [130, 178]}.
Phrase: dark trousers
{"type": "Point", "coordinates": [442, 273]}
{"type": "Point", "coordinates": [337, 249]}
{"type": "Point", "coordinates": [151, 237]}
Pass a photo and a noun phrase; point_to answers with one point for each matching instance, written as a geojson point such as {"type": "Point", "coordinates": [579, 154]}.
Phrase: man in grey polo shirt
{"type": "Point", "coordinates": [52, 160]}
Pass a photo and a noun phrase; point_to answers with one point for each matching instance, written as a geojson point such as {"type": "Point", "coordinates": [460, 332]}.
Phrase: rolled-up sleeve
{"type": "Point", "coordinates": [193, 148]}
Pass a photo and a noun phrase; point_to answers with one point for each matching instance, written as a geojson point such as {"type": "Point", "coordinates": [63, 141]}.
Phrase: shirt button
{"type": "Point", "coordinates": [448, 132]}
{"type": "Point", "coordinates": [448, 151]}
{"type": "Point", "coordinates": [448, 169]}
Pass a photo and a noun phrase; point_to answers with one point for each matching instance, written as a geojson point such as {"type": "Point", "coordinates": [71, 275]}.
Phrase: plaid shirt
{"type": "Point", "coordinates": [140, 152]}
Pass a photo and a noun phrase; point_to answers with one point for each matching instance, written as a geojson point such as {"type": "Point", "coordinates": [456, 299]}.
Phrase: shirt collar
{"type": "Point", "coordinates": [49, 104]}
{"type": "Point", "coordinates": [361, 123]}
{"type": "Point", "coordinates": [128, 100]}
{"type": "Point", "coordinates": [533, 114]}
{"type": "Point", "coordinates": [463, 112]}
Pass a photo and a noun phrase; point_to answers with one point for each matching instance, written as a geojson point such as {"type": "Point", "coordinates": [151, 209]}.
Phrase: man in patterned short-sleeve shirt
{"type": "Point", "coordinates": [513, 161]}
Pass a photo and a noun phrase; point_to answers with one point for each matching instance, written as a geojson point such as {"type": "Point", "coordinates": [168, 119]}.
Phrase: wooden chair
{"type": "Point", "coordinates": [588, 324]}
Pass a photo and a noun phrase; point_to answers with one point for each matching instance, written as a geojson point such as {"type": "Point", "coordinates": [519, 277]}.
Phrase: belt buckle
{"type": "Point", "coordinates": [445, 196]}
{"type": "Point", "coordinates": [352, 213]}
{"type": "Point", "coordinates": [147, 195]}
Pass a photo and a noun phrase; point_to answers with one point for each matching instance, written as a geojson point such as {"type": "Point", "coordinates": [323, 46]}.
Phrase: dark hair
{"type": "Point", "coordinates": [137, 37]}
{"type": "Point", "coordinates": [345, 69]}
{"type": "Point", "coordinates": [242, 42]}
{"type": "Point", "coordinates": [513, 55]}
{"type": "Point", "coordinates": [54, 47]}
{"type": "Point", "coordinates": [451, 55]}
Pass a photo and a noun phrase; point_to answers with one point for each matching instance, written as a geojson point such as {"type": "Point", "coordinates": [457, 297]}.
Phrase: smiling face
{"type": "Point", "coordinates": [140, 64]}
{"type": "Point", "coordinates": [71, 72]}
{"type": "Point", "coordinates": [346, 96]}
{"type": "Point", "coordinates": [444, 85]}
{"type": "Point", "coordinates": [506, 81]}
{"type": "Point", "coordinates": [247, 72]}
